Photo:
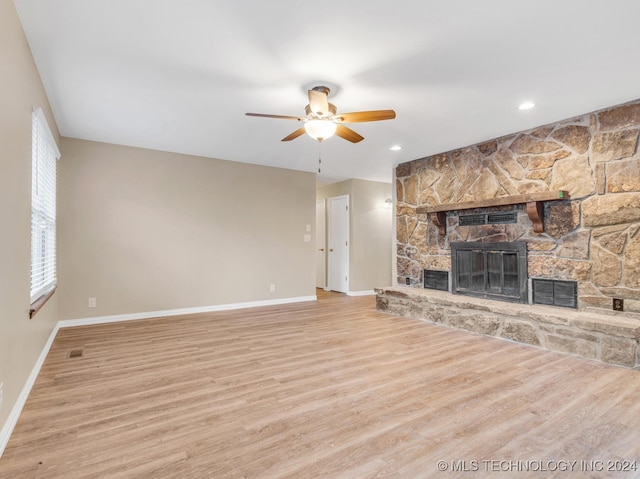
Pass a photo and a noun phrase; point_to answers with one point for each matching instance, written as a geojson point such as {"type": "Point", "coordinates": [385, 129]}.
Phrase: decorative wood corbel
{"type": "Point", "coordinates": [439, 218]}
{"type": "Point", "coordinates": [535, 212]}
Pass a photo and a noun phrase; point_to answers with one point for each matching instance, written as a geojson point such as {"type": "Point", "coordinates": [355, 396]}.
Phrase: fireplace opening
{"type": "Point", "coordinates": [490, 270]}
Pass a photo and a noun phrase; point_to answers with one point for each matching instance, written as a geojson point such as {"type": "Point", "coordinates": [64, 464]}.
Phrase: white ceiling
{"type": "Point", "coordinates": [179, 75]}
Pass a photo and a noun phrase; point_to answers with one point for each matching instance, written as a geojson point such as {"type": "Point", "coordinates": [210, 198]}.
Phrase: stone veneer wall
{"type": "Point", "coordinates": [593, 238]}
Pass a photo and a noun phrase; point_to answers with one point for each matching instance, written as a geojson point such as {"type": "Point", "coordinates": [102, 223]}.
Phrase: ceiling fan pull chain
{"type": "Point", "coordinates": [319, 155]}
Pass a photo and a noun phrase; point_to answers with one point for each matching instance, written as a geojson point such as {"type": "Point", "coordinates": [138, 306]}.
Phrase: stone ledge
{"type": "Point", "coordinates": [608, 338]}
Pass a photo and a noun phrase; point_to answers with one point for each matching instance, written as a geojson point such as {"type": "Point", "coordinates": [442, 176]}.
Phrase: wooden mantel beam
{"type": "Point", "coordinates": [534, 202]}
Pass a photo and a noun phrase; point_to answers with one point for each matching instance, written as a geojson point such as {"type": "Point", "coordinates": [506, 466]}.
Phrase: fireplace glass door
{"type": "Point", "coordinates": [490, 270]}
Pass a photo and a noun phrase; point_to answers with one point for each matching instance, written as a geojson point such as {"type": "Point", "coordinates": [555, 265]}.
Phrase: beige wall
{"type": "Point", "coordinates": [370, 230]}
{"type": "Point", "coordinates": [21, 339]}
{"type": "Point", "coordinates": [371, 234]}
{"type": "Point", "coordinates": [143, 230]}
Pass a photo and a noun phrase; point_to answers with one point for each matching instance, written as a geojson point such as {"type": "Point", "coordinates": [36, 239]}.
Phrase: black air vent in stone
{"type": "Point", "coordinates": [555, 293]}
{"type": "Point", "coordinates": [434, 279]}
{"type": "Point", "coordinates": [502, 218]}
{"type": "Point", "coordinates": [472, 220]}
{"type": "Point", "coordinates": [488, 218]}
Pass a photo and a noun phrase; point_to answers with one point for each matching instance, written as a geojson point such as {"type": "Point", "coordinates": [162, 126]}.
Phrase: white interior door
{"type": "Point", "coordinates": [338, 244]}
{"type": "Point", "coordinates": [321, 244]}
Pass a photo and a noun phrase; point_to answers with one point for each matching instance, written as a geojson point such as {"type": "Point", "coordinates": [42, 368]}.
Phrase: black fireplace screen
{"type": "Point", "coordinates": [490, 270]}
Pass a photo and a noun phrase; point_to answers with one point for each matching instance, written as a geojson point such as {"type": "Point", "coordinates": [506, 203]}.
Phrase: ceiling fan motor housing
{"type": "Point", "coordinates": [322, 89]}
{"type": "Point", "coordinates": [318, 115]}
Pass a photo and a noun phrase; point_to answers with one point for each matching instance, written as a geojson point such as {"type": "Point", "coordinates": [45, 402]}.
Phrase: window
{"type": "Point", "coordinates": [43, 207]}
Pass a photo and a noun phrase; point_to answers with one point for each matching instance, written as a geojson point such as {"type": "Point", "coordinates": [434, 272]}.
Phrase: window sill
{"type": "Point", "coordinates": [39, 303]}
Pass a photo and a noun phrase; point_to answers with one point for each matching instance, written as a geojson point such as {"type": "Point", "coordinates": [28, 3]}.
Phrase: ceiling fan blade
{"type": "Point", "coordinates": [294, 135]}
{"type": "Point", "coordinates": [318, 101]}
{"type": "Point", "coordinates": [360, 116]}
{"type": "Point", "coordinates": [281, 117]}
{"type": "Point", "coordinates": [348, 134]}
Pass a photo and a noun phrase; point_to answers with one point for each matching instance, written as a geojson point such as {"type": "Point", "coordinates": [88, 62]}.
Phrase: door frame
{"type": "Point", "coordinates": [346, 268]}
{"type": "Point", "coordinates": [321, 243]}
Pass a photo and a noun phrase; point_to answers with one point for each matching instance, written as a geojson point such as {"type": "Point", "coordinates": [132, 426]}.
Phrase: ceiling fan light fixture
{"type": "Point", "coordinates": [320, 129]}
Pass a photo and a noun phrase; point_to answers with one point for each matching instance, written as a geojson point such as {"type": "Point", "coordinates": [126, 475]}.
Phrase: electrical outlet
{"type": "Point", "coordinates": [273, 288]}
{"type": "Point", "coordinates": [618, 304]}
{"type": "Point", "coordinates": [92, 302]}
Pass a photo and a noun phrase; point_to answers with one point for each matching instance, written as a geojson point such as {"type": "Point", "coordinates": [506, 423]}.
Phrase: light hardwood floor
{"type": "Point", "coordinates": [326, 389]}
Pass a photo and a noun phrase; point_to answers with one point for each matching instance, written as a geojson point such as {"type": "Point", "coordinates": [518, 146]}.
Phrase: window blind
{"type": "Point", "coordinates": [44, 155]}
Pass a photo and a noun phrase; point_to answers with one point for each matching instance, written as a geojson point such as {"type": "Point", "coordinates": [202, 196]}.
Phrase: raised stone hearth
{"type": "Point", "coordinates": [610, 338]}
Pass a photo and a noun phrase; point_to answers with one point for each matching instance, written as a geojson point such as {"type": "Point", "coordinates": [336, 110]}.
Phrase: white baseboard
{"type": "Point", "coordinates": [361, 293]}
{"type": "Point", "coordinates": [12, 420]}
{"type": "Point", "coordinates": [179, 312]}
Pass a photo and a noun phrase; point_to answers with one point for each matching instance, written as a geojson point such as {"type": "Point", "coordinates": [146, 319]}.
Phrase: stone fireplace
{"type": "Point", "coordinates": [568, 194]}
{"type": "Point", "coordinates": [590, 236]}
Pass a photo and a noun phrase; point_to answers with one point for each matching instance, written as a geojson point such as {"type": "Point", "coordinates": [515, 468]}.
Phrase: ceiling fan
{"type": "Point", "coordinates": [323, 121]}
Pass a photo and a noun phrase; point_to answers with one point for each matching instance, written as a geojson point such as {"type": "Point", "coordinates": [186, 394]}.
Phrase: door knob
{"type": "Point", "coordinates": [331, 250]}
{"type": "Point", "coordinates": [321, 249]}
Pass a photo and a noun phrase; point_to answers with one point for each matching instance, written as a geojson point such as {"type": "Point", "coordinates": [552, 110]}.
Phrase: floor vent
{"type": "Point", "coordinates": [75, 353]}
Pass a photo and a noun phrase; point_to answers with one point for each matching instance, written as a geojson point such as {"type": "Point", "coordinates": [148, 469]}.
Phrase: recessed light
{"type": "Point", "coordinates": [527, 105]}
{"type": "Point", "coordinates": [396, 148]}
